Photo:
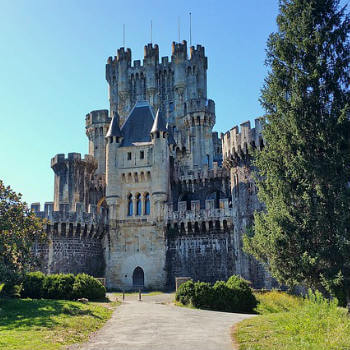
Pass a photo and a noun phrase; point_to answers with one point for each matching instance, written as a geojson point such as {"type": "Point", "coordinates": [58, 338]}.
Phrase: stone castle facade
{"type": "Point", "coordinates": [159, 195]}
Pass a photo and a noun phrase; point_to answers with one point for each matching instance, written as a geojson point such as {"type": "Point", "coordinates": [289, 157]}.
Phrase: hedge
{"type": "Point", "coordinates": [235, 295]}
{"type": "Point", "coordinates": [37, 285]}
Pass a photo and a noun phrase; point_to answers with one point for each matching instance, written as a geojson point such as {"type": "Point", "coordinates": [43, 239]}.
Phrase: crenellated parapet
{"type": "Point", "coordinates": [237, 141]}
{"type": "Point", "coordinates": [73, 179]}
{"type": "Point", "coordinates": [200, 175]}
{"type": "Point", "coordinates": [78, 223]}
{"type": "Point", "coordinates": [199, 219]}
{"type": "Point", "coordinates": [199, 111]}
{"type": "Point", "coordinates": [167, 83]}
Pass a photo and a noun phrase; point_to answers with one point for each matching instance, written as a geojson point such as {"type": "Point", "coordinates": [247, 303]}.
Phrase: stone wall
{"type": "Point", "coordinates": [203, 257]}
{"type": "Point", "coordinates": [64, 254]}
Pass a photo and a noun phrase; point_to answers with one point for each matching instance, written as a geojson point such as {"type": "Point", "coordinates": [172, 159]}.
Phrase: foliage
{"type": "Point", "coordinates": [59, 286]}
{"type": "Point", "coordinates": [235, 295]}
{"type": "Point", "coordinates": [274, 301]}
{"type": "Point", "coordinates": [303, 234]}
{"type": "Point", "coordinates": [203, 297]}
{"type": "Point", "coordinates": [19, 230]}
{"type": "Point", "coordinates": [315, 324]}
{"type": "Point", "coordinates": [33, 285]}
{"type": "Point", "coordinates": [86, 286]}
{"type": "Point", "coordinates": [27, 324]}
{"type": "Point", "coordinates": [185, 293]}
{"type": "Point", "coordinates": [62, 286]}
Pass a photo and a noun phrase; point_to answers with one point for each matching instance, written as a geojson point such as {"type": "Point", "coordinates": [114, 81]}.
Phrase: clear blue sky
{"type": "Point", "coordinates": [52, 68]}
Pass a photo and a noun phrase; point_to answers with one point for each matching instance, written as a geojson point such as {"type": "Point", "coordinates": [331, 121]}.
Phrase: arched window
{"type": "Point", "coordinates": [147, 204]}
{"type": "Point", "coordinates": [138, 204]}
{"type": "Point", "coordinates": [130, 205]}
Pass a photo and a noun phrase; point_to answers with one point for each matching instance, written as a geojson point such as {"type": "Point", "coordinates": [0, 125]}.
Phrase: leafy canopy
{"type": "Point", "coordinates": [304, 171]}
{"type": "Point", "coordinates": [19, 229]}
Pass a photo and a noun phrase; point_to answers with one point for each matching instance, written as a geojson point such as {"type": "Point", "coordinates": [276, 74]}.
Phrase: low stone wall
{"type": "Point", "coordinates": [72, 255]}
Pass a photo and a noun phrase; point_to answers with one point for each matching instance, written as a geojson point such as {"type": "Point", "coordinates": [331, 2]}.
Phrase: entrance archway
{"type": "Point", "coordinates": [138, 277]}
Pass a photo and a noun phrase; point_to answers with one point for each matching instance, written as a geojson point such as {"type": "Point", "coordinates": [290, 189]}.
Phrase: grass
{"type": "Point", "coordinates": [291, 323]}
{"type": "Point", "coordinates": [27, 324]}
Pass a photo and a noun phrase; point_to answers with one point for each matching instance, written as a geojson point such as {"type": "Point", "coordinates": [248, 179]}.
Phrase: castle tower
{"type": "Point", "coordinates": [117, 75]}
{"type": "Point", "coordinates": [96, 124]}
{"type": "Point", "coordinates": [113, 140]}
{"type": "Point", "coordinates": [160, 168]}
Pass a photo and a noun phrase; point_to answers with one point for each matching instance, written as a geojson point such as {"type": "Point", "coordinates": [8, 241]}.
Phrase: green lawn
{"type": "Point", "coordinates": [27, 324]}
{"type": "Point", "coordinates": [290, 323]}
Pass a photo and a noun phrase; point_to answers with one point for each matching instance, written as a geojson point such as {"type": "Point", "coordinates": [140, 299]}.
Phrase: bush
{"type": "Point", "coordinates": [185, 293]}
{"type": "Point", "coordinates": [235, 295]}
{"type": "Point", "coordinates": [33, 285]}
{"type": "Point", "coordinates": [59, 286]}
{"type": "Point", "coordinates": [244, 297]}
{"type": "Point", "coordinates": [203, 295]}
{"type": "Point", "coordinates": [86, 286]}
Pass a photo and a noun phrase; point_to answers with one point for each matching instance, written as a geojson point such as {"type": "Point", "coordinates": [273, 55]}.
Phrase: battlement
{"type": "Point", "coordinates": [78, 221]}
{"type": "Point", "coordinates": [200, 105]}
{"type": "Point", "coordinates": [60, 159]}
{"type": "Point", "coordinates": [97, 117]}
{"type": "Point", "coordinates": [197, 52]}
{"type": "Point", "coordinates": [179, 50]}
{"type": "Point", "coordinates": [196, 218]}
{"type": "Point", "coordinates": [151, 53]}
{"type": "Point", "coordinates": [123, 55]}
{"type": "Point", "coordinates": [236, 142]}
{"type": "Point", "coordinates": [193, 176]}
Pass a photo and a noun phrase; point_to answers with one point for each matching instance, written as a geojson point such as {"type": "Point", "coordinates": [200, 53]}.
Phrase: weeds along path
{"type": "Point", "coordinates": [155, 324]}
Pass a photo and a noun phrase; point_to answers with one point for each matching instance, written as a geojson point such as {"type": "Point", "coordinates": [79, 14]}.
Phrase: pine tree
{"type": "Point", "coordinates": [303, 175]}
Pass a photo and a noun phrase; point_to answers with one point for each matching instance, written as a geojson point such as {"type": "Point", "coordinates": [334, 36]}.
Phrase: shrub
{"type": "Point", "coordinates": [203, 295]}
{"type": "Point", "coordinates": [33, 284]}
{"type": "Point", "coordinates": [59, 286]}
{"type": "Point", "coordinates": [225, 299]}
{"type": "Point", "coordinates": [244, 297]}
{"type": "Point", "coordinates": [235, 295]}
{"type": "Point", "coordinates": [185, 293]}
{"type": "Point", "coordinates": [86, 286]}
{"type": "Point", "coordinates": [11, 290]}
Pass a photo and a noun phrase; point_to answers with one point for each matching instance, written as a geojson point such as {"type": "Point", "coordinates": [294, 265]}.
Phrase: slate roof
{"type": "Point", "coordinates": [114, 129]}
{"type": "Point", "coordinates": [137, 126]}
{"type": "Point", "coordinates": [159, 123]}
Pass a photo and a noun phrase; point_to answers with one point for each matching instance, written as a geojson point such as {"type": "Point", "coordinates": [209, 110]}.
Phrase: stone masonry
{"type": "Point", "coordinates": [159, 195]}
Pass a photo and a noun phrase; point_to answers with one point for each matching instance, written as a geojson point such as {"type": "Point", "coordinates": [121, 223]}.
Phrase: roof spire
{"type": "Point", "coordinates": [159, 123]}
{"type": "Point", "coordinates": [114, 129]}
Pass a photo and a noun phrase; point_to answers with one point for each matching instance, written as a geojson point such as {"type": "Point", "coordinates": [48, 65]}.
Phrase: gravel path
{"type": "Point", "coordinates": [156, 324]}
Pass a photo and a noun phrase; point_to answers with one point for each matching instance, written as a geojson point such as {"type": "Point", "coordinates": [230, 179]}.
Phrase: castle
{"type": "Point", "coordinates": [159, 195]}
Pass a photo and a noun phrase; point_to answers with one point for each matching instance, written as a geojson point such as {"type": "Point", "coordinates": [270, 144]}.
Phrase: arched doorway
{"type": "Point", "coordinates": [138, 277]}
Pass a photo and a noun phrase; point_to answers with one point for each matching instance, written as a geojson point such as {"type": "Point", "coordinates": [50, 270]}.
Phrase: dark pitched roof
{"type": "Point", "coordinates": [138, 124]}
{"type": "Point", "coordinates": [114, 129]}
{"type": "Point", "coordinates": [159, 123]}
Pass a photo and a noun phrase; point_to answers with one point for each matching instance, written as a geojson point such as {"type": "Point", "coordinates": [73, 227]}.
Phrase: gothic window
{"type": "Point", "coordinates": [130, 205]}
{"type": "Point", "coordinates": [142, 154]}
{"type": "Point", "coordinates": [147, 204]}
{"type": "Point", "coordinates": [138, 204]}
{"type": "Point", "coordinates": [129, 155]}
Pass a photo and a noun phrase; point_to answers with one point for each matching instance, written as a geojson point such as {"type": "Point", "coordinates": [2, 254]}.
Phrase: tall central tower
{"type": "Point", "coordinates": [178, 87]}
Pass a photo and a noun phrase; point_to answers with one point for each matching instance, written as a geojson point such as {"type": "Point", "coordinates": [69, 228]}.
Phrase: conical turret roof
{"type": "Point", "coordinates": [159, 123]}
{"type": "Point", "coordinates": [114, 129]}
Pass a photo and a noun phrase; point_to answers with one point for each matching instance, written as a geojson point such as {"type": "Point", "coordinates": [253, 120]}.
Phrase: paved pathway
{"type": "Point", "coordinates": [156, 324]}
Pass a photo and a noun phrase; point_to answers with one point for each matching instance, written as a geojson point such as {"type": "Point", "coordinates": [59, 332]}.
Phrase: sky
{"type": "Point", "coordinates": [52, 69]}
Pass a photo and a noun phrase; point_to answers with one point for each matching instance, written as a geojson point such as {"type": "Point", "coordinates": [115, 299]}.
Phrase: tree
{"type": "Point", "coordinates": [19, 229]}
{"type": "Point", "coordinates": [303, 173]}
